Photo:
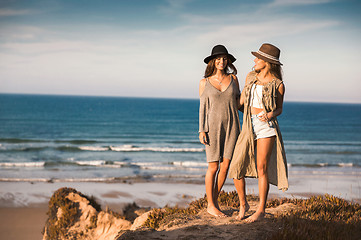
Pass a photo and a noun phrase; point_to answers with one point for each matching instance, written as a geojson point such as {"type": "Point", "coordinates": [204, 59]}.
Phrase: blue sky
{"type": "Point", "coordinates": [156, 48]}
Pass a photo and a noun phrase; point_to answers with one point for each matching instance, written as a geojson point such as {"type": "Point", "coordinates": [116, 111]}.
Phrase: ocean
{"type": "Point", "coordinates": [104, 139]}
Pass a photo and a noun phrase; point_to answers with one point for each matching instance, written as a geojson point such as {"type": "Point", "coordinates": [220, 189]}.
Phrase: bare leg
{"type": "Point", "coordinates": [210, 182]}
{"type": "Point", "coordinates": [240, 185]}
{"type": "Point", "coordinates": [264, 150]}
{"type": "Point", "coordinates": [220, 180]}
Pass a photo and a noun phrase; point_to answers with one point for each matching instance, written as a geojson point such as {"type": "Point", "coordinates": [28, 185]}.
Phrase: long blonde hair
{"type": "Point", "coordinates": [276, 70]}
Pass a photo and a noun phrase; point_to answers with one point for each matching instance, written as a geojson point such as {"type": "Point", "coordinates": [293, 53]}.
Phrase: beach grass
{"type": "Point", "coordinates": [318, 217]}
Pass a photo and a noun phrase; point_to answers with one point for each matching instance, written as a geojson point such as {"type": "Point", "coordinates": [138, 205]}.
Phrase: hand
{"type": "Point", "coordinates": [203, 138]}
{"type": "Point", "coordinates": [266, 117]}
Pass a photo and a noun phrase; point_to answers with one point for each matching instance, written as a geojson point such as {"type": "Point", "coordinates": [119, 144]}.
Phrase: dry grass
{"type": "Point", "coordinates": [319, 217]}
{"type": "Point", "coordinates": [164, 215]}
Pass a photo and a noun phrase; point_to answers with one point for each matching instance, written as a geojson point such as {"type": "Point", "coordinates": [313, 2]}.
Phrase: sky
{"type": "Point", "coordinates": [146, 48]}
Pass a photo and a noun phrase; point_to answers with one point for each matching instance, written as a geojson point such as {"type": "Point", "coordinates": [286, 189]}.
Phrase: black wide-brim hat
{"type": "Point", "coordinates": [269, 53]}
{"type": "Point", "coordinates": [219, 50]}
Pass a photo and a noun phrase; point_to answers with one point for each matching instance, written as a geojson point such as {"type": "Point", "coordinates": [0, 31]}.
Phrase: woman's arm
{"type": "Point", "coordinates": [202, 84]}
{"type": "Point", "coordinates": [239, 106]}
{"type": "Point", "coordinates": [280, 95]}
{"type": "Point", "coordinates": [242, 97]}
{"type": "Point", "coordinates": [202, 135]}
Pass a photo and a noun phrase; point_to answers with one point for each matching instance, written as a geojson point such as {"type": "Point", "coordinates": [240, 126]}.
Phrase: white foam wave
{"type": "Point", "coordinates": [86, 179]}
{"type": "Point", "coordinates": [57, 180]}
{"type": "Point", "coordinates": [154, 166]}
{"type": "Point", "coordinates": [93, 148]}
{"type": "Point", "coordinates": [164, 168]}
{"type": "Point", "coordinates": [120, 163]}
{"type": "Point", "coordinates": [91, 163]}
{"type": "Point", "coordinates": [24, 180]}
{"type": "Point", "coordinates": [22, 164]}
{"type": "Point", "coordinates": [143, 164]}
{"type": "Point", "coordinates": [190, 164]}
{"type": "Point", "coordinates": [345, 164]}
{"type": "Point", "coordinates": [101, 163]}
{"type": "Point", "coordinates": [323, 164]}
{"type": "Point", "coordinates": [131, 148]}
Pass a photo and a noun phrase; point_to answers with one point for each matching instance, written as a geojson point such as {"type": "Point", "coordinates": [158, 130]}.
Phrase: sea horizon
{"type": "Point", "coordinates": [155, 97]}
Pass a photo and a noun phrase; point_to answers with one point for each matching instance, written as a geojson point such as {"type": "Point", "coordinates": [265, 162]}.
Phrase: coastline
{"type": "Point", "coordinates": [23, 205]}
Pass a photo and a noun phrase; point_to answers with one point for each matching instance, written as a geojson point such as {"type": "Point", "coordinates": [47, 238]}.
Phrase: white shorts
{"type": "Point", "coordinates": [262, 129]}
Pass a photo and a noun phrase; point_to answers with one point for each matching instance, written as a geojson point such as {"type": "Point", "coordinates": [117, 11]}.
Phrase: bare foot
{"type": "Point", "coordinates": [242, 211]}
{"type": "Point", "coordinates": [215, 212]}
{"type": "Point", "coordinates": [216, 205]}
{"type": "Point", "coordinates": [255, 217]}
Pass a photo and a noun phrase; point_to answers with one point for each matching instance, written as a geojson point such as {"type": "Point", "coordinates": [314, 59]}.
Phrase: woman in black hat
{"type": "Point", "coordinates": [218, 120]}
{"type": "Point", "coordinates": [259, 150]}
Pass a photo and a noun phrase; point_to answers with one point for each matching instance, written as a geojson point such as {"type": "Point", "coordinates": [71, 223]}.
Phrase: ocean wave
{"type": "Point", "coordinates": [20, 140]}
{"type": "Point", "coordinates": [326, 143]}
{"type": "Point", "coordinates": [27, 140]}
{"type": "Point", "coordinates": [94, 148]}
{"type": "Point", "coordinates": [124, 148]}
{"type": "Point", "coordinates": [22, 164]}
{"type": "Point", "coordinates": [22, 149]}
{"type": "Point", "coordinates": [99, 179]}
{"type": "Point", "coordinates": [190, 164]}
{"type": "Point", "coordinates": [318, 165]}
{"type": "Point", "coordinates": [91, 163]}
{"type": "Point", "coordinates": [79, 142]}
{"type": "Point", "coordinates": [131, 148]}
{"type": "Point", "coordinates": [103, 163]}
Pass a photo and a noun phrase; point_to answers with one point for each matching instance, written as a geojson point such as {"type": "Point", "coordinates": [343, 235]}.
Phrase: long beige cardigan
{"type": "Point", "coordinates": [243, 162]}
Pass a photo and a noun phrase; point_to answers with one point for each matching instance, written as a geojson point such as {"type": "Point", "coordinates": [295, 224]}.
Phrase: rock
{"type": "Point", "coordinates": [139, 221]}
{"type": "Point", "coordinates": [73, 215]}
{"type": "Point", "coordinates": [108, 226]}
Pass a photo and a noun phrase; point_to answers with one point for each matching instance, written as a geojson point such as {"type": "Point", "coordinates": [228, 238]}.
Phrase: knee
{"type": "Point", "coordinates": [212, 168]}
{"type": "Point", "coordinates": [262, 170]}
{"type": "Point", "coordinates": [224, 168]}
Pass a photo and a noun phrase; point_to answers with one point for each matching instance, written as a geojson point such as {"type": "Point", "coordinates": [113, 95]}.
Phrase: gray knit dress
{"type": "Point", "coordinates": [218, 117]}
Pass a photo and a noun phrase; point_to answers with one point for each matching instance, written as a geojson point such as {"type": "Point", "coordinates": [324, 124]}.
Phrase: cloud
{"type": "Point", "coordinates": [105, 59]}
{"type": "Point", "coordinates": [298, 2]}
{"type": "Point", "coordinates": [7, 12]}
{"type": "Point", "coordinates": [16, 33]}
{"type": "Point", "coordinates": [173, 6]}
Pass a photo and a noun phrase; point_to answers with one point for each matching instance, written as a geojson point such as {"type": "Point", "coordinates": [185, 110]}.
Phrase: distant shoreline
{"type": "Point", "coordinates": [170, 190]}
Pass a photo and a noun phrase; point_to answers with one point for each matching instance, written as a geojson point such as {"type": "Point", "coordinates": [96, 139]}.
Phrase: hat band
{"type": "Point", "coordinates": [268, 56]}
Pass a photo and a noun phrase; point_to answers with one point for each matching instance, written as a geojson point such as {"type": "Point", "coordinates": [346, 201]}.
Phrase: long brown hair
{"type": "Point", "coordinates": [276, 70]}
{"type": "Point", "coordinates": [211, 69]}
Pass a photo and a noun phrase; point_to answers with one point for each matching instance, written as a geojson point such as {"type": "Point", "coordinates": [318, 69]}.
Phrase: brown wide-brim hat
{"type": "Point", "coordinates": [269, 53]}
{"type": "Point", "coordinates": [219, 50]}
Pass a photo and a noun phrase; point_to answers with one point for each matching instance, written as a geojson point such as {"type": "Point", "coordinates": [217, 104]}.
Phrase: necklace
{"type": "Point", "coordinates": [219, 82]}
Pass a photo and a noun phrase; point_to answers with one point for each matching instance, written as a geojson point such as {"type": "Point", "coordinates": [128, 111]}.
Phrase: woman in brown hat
{"type": "Point", "coordinates": [218, 120]}
{"type": "Point", "coordinates": [259, 150]}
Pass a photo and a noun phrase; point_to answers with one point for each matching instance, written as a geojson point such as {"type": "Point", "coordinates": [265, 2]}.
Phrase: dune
{"type": "Point", "coordinates": [72, 215]}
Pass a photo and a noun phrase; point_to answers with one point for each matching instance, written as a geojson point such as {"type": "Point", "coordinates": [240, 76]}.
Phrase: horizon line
{"type": "Point", "coordinates": [152, 97]}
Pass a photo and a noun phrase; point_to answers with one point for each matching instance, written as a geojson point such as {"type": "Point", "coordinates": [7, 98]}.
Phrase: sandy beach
{"type": "Point", "coordinates": [23, 205]}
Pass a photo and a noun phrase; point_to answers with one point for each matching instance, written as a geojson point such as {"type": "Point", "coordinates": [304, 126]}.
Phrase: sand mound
{"type": "Point", "coordinates": [73, 215]}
